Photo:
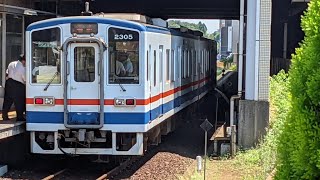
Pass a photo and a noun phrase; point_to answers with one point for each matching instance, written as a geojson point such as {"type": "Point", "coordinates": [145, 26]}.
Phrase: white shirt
{"type": "Point", "coordinates": [120, 68]}
{"type": "Point", "coordinates": [128, 66]}
{"type": "Point", "coordinates": [17, 71]}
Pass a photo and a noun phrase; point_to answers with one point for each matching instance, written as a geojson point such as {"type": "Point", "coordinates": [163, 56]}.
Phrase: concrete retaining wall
{"type": "Point", "coordinates": [253, 122]}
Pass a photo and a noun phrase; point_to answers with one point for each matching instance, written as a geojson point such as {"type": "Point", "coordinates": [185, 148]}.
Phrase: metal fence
{"type": "Point", "coordinates": [277, 64]}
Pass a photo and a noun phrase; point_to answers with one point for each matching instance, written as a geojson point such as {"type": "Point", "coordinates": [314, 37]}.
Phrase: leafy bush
{"type": "Point", "coordinates": [299, 143]}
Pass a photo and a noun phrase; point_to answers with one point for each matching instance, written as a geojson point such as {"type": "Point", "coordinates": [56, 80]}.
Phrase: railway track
{"type": "Point", "coordinates": [55, 174]}
{"type": "Point", "coordinates": [131, 164]}
{"type": "Point", "coordinates": [75, 168]}
{"type": "Point", "coordinates": [115, 170]}
{"type": "Point", "coordinates": [112, 173]}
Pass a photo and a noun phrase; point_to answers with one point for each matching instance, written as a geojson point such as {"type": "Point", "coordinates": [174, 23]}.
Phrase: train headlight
{"type": "Point", "coordinates": [49, 100]}
{"type": "Point", "coordinates": [124, 101]}
{"type": "Point", "coordinates": [119, 102]}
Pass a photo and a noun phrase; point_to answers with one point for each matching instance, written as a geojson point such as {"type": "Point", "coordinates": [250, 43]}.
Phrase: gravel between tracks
{"type": "Point", "coordinates": [163, 165]}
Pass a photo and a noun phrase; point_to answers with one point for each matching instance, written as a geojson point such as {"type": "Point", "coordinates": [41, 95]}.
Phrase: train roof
{"type": "Point", "coordinates": [140, 26]}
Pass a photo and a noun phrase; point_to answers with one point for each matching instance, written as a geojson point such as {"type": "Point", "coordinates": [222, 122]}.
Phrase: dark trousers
{"type": "Point", "coordinates": [15, 92]}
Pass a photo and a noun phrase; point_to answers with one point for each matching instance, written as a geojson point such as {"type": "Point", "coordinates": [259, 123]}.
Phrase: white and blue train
{"type": "Point", "coordinates": [108, 86]}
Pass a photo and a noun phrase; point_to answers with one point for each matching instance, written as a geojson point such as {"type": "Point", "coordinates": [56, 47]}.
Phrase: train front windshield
{"type": "Point", "coordinates": [123, 56]}
{"type": "Point", "coordinates": [45, 63]}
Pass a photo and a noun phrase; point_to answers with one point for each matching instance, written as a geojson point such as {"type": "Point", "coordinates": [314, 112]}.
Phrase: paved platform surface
{"type": "Point", "coordinates": [11, 127]}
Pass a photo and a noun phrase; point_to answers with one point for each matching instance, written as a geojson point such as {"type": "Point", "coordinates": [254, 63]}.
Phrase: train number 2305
{"type": "Point", "coordinates": [123, 36]}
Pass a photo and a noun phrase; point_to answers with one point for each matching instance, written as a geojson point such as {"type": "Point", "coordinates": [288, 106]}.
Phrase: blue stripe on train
{"type": "Point", "coordinates": [118, 117]}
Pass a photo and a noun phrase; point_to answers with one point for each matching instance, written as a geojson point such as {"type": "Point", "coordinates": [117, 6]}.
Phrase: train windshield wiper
{"type": "Point", "coordinates": [48, 84]}
{"type": "Point", "coordinates": [122, 88]}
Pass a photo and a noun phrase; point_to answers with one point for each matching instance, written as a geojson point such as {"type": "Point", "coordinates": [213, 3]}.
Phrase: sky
{"type": "Point", "coordinates": [212, 25]}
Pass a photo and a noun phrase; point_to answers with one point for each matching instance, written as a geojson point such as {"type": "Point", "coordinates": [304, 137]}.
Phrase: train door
{"type": "Point", "coordinates": [83, 90]}
{"type": "Point", "coordinates": [154, 87]}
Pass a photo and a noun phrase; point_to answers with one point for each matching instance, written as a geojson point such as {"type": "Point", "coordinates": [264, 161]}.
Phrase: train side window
{"type": "Point", "coordinates": [123, 56]}
{"type": "Point", "coordinates": [172, 66]}
{"type": "Point", "coordinates": [147, 66]}
{"type": "Point", "coordinates": [205, 61]}
{"type": "Point", "coordinates": [186, 56]}
{"type": "Point", "coordinates": [185, 64]}
{"type": "Point", "coordinates": [178, 58]}
{"type": "Point", "coordinates": [201, 62]}
{"type": "Point", "coordinates": [155, 68]}
{"type": "Point", "coordinates": [168, 65]}
{"type": "Point", "coordinates": [182, 65]}
{"type": "Point", "coordinates": [161, 63]}
{"type": "Point", "coordinates": [84, 64]}
{"type": "Point", "coordinates": [188, 64]}
{"type": "Point", "coordinates": [46, 56]}
{"type": "Point", "coordinates": [195, 62]}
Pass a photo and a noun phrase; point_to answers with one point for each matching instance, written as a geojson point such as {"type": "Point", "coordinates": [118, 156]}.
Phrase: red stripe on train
{"type": "Point", "coordinates": [111, 101]}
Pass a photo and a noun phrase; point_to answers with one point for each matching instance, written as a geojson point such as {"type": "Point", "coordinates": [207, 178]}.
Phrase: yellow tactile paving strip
{"type": "Point", "coordinates": [9, 124]}
{"type": "Point", "coordinates": [11, 128]}
{"type": "Point", "coordinates": [12, 115]}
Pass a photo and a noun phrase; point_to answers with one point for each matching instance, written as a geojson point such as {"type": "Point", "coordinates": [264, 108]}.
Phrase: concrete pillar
{"type": "Point", "coordinates": [254, 110]}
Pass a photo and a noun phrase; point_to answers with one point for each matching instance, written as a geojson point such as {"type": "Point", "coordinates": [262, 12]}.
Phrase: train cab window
{"type": "Point", "coordinates": [45, 61]}
{"type": "Point", "coordinates": [123, 56]}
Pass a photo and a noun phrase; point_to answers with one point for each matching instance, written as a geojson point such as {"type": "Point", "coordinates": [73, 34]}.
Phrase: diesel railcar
{"type": "Point", "coordinates": [107, 85]}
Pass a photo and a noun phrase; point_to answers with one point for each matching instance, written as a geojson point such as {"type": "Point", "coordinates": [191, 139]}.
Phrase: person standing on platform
{"type": "Point", "coordinates": [15, 89]}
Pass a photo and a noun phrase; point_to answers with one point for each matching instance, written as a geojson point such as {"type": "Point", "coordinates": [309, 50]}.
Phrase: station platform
{"type": "Point", "coordinates": [9, 128]}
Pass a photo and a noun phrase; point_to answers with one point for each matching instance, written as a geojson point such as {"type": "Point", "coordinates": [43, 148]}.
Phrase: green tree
{"type": "Point", "coordinates": [174, 24]}
{"type": "Point", "coordinates": [198, 27]}
{"type": "Point", "coordinates": [299, 142]}
{"type": "Point", "coordinates": [202, 27]}
{"type": "Point", "coordinates": [216, 36]}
